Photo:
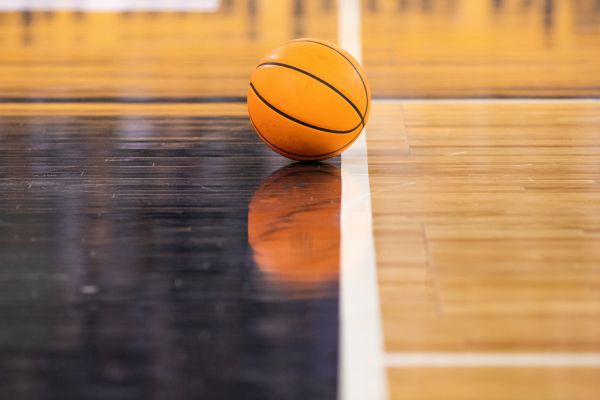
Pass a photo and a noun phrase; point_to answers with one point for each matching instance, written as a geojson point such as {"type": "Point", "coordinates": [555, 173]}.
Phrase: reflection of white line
{"type": "Point", "coordinates": [362, 374]}
{"type": "Point", "coordinates": [110, 5]}
{"type": "Point", "coordinates": [453, 360]}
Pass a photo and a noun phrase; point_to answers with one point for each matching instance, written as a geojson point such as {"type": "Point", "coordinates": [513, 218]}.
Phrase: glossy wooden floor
{"type": "Point", "coordinates": [486, 212]}
{"type": "Point", "coordinates": [153, 252]}
{"type": "Point", "coordinates": [487, 48]}
{"type": "Point", "coordinates": [166, 56]}
{"type": "Point", "coordinates": [487, 226]}
{"type": "Point", "coordinates": [134, 252]}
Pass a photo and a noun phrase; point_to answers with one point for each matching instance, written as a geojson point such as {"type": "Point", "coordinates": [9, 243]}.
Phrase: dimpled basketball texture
{"type": "Point", "coordinates": [308, 99]}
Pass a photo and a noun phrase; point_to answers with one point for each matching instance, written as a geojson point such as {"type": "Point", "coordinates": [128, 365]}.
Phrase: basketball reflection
{"type": "Point", "coordinates": [293, 228]}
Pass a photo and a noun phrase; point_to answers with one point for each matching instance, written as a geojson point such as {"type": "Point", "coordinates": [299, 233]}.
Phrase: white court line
{"type": "Point", "coordinates": [478, 360]}
{"type": "Point", "coordinates": [362, 369]}
{"type": "Point", "coordinates": [516, 100]}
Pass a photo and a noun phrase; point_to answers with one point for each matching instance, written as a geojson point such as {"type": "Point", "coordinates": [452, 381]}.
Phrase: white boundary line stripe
{"type": "Point", "coordinates": [485, 101]}
{"type": "Point", "coordinates": [508, 360]}
{"type": "Point", "coordinates": [361, 366]}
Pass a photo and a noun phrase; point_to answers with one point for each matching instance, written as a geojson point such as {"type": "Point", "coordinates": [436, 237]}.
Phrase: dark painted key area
{"type": "Point", "coordinates": [145, 257]}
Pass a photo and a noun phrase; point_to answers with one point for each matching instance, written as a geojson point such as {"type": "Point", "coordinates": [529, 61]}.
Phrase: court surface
{"type": "Point", "coordinates": [152, 247]}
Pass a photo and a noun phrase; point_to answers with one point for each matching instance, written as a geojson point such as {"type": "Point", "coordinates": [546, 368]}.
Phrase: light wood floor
{"type": "Point", "coordinates": [487, 224]}
{"type": "Point", "coordinates": [167, 56]}
{"type": "Point", "coordinates": [486, 213]}
{"type": "Point", "coordinates": [505, 48]}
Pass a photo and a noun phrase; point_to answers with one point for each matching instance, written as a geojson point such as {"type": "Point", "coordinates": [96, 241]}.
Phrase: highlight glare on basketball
{"type": "Point", "coordinates": [308, 99]}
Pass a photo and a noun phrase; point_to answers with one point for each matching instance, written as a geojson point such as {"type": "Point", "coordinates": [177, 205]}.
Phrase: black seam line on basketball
{"type": "Point", "coordinates": [300, 155]}
{"type": "Point", "coordinates": [329, 85]}
{"type": "Point", "coordinates": [308, 158]}
{"type": "Point", "coordinates": [347, 59]}
{"type": "Point", "coordinates": [318, 128]}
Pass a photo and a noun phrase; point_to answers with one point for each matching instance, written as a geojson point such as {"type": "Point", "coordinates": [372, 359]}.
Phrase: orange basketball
{"type": "Point", "coordinates": [308, 99]}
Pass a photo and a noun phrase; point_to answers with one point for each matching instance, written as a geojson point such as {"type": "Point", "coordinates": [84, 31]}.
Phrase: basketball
{"type": "Point", "coordinates": [308, 99]}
